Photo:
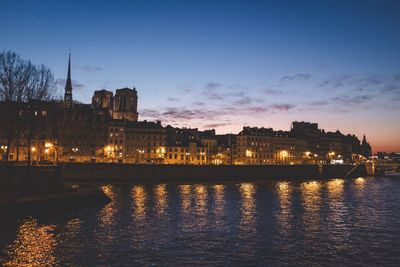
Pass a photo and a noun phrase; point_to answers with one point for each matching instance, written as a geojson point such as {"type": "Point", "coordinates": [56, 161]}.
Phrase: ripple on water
{"type": "Point", "coordinates": [346, 222]}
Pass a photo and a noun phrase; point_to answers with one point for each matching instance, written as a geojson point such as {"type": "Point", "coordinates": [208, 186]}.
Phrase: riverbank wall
{"type": "Point", "coordinates": [20, 181]}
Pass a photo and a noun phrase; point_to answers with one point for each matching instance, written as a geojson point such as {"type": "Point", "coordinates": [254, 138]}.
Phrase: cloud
{"type": "Point", "coordinates": [351, 100]}
{"type": "Point", "coordinates": [282, 107]}
{"type": "Point", "coordinates": [334, 82]}
{"type": "Point", "coordinates": [173, 99]}
{"type": "Point", "coordinates": [318, 103]}
{"type": "Point", "coordinates": [390, 88]}
{"type": "Point", "coordinates": [296, 77]}
{"type": "Point", "coordinates": [89, 68]}
{"type": "Point", "coordinates": [199, 103]}
{"type": "Point", "coordinates": [209, 91]}
{"type": "Point", "coordinates": [255, 110]}
{"type": "Point", "coordinates": [212, 85]}
{"type": "Point", "coordinates": [75, 85]}
{"type": "Point", "coordinates": [243, 101]}
{"type": "Point", "coordinates": [272, 92]}
{"type": "Point", "coordinates": [216, 125]}
{"type": "Point", "coordinates": [150, 113]}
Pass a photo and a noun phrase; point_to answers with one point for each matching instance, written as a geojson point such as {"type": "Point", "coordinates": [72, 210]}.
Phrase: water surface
{"type": "Point", "coordinates": [329, 222]}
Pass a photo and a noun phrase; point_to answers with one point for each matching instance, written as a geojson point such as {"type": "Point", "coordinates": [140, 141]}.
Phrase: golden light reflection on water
{"type": "Point", "coordinates": [107, 213]}
{"type": "Point", "coordinates": [248, 206]}
{"type": "Point", "coordinates": [359, 186]}
{"type": "Point", "coordinates": [335, 187]}
{"type": "Point", "coordinates": [160, 192]}
{"type": "Point", "coordinates": [109, 191]}
{"type": "Point", "coordinates": [186, 199]}
{"type": "Point", "coordinates": [337, 212]}
{"type": "Point", "coordinates": [284, 190]}
{"type": "Point", "coordinates": [34, 245]}
{"type": "Point", "coordinates": [200, 198]}
{"type": "Point", "coordinates": [360, 182]}
{"type": "Point", "coordinates": [311, 200]}
{"type": "Point", "coordinates": [73, 226]}
{"type": "Point", "coordinates": [139, 197]}
{"type": "Point", "coordinates": [200, 205]}
{"type": "Point", "coordinates": [219, 203]}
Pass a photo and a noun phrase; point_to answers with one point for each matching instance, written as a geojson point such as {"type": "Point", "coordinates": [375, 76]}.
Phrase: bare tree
{"type": "Point", "coordinates": [27, 85]}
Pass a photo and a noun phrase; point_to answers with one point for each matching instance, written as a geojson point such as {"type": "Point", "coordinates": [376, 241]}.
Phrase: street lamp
{"type": "Point", "coordinates": [33, 149]}
{"type": "Point", "coordinates": [187, 156]}
{"type": "Point", "coordinates": [74, 150]}
{"type": "Point", "coordinates": [4, 151]}
{"type": "Point", "coordinates": [249, 154]}
{"type": "Point", "coordinates": [46, 151]}
{"type": "Point", "coordinates": [141, 152]}
{"type": "Point", "coordinates": [284, 154]}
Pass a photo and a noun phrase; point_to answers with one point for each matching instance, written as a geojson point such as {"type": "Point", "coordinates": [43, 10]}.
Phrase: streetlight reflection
{"type": "Point", "coordinates": [284, 191]}
{"type": "Point", "coordinates": [139, 197]}
{"type": "Point", "coordinates": [161, 198]}
{"type": "Point", "coordinates": [248, 207]}
{"type": "Point", "coordinates": [33, 246]}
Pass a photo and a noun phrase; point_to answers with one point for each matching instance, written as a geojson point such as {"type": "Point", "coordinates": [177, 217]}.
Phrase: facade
{"type": "Point", "coordinates": [262, 146]}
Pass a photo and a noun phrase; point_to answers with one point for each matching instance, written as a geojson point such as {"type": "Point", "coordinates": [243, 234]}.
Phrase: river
{"type": "Point", "coordinates": [310, 223]}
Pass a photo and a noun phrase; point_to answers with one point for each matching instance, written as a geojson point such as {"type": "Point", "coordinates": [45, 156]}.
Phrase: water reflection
{"type": "Point", "coordinates": [360, 182]}
{"type": "Point", "coordinates": [139, 197]}
{"type": "Point", "coordinates": [186, 199]}
{"type": "Point", "coordinates": [284, 191]}
{"type": "Point", "coordinates": [338, 212]}
{"type": "Point", "coordinates": [107, 214]}
{"type": "Point", "coordinates": [311, 201]}
{"type": "Point", "coordinates": [160, 192]}
{"type": "Point", "coordinates": [200, 205]}
{"type": "Point", "coordinates": [219, 203]}
{"type": "Point", "coordinates": [34, 245]}
{"type": "Point", "coordinates": [73, 227]}
{"type": "Point", "coordinates": [248, 207]}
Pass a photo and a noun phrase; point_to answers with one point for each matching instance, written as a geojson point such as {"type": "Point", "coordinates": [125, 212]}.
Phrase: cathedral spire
{"type": "Point", "coordinates": [68, 86]}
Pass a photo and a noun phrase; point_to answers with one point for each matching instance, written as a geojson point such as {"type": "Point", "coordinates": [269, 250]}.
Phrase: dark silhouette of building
{"type": "Point", "coordinates": [68, 86]}
{"type": "Point", "coordinates": [366, 148]}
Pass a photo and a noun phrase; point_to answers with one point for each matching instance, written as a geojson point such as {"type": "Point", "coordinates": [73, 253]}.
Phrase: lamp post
{"type": "Point", "coordinates": [4, 152]}
{"type": "Point", "coordinates": [331, 154]}
{"type": "Point", "coordinates": [141, 152]}
{"type": "Point", "coordinates": [248, 155]}
{"type": "Point", "coordinates": [48, 146]}
{"type": "Point", "coordinates": [74, 150]}
{"type": "Point", "coordinates": [46, 152]}
{"type": "Point", "coordinates": [33, 149]}
{"type": "Point", "coordinates": [187, 157]}
{"type": "Point", "coordinates": [284, 154]}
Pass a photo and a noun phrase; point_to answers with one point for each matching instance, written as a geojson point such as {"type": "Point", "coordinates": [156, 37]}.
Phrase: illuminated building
{"type": "Point", "coordinates": [262, 146]}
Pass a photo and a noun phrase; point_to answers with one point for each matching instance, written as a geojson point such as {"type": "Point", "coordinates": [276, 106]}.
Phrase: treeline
{"type": "Point", "coordinates": [23, 87]}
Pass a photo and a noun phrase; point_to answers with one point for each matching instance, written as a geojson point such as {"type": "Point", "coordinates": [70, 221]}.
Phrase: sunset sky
{"type": "Point", "coordinates": [226, 64]}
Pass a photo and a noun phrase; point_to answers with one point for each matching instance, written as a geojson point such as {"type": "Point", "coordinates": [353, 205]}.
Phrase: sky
{"type": "Point", "coordinates": [226, 64]}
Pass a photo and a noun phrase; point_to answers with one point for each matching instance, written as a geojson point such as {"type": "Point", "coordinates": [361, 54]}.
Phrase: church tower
{"type": "Point", "coordinates": [68, 86]}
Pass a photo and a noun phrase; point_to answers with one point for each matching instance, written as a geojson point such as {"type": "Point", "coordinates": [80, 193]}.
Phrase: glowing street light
{"type": "Point", "coordinates": [4, 149]}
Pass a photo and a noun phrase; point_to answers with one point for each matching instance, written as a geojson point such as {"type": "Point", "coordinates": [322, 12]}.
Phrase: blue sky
{"type": "Point", "coordinates": [225, 64]}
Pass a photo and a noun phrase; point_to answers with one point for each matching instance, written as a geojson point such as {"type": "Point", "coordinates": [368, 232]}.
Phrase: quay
{"type": "Point", "coordinates": [37, 180]}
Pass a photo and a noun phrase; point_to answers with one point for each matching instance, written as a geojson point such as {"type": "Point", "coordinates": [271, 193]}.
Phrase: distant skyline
{"type": "Point", "coordinates": [226, 64]}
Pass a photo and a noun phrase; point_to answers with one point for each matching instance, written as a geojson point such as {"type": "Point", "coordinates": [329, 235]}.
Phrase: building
{"type": "Point", "coordinates": [262, 146]}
